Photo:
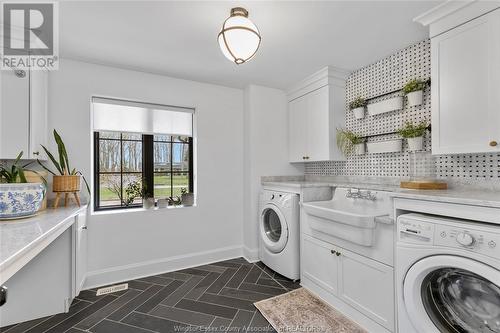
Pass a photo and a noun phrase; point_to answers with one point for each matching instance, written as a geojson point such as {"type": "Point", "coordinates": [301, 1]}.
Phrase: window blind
{"type": "Point", "coordinates": [127, 116]}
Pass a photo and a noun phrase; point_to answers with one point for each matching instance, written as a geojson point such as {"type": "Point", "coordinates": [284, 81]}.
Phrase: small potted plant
{"type": "Point", "coordinates": [414, 91]}
{"type": "Point", "coordinates": [18, 198]}
{"type": "Point", "coordinates": [358, 107]}
{"type": "Point", "coordinates": [414, 134]}
{"type": "Point", "coordinates": [187, 198]}
{"type": "Point", "coordinates": [350, 143]}
{"type": "Point", "coordinates": [64, 179]}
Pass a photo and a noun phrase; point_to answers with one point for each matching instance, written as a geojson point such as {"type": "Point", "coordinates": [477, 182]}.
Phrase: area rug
{"type": "Point", "coordinates": [301, 311]}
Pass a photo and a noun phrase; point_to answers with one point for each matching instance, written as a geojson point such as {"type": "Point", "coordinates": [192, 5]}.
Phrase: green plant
{"type": "Point", "coordinates": [346, 140]}
{"type": "Point", "coordinates": [411, 130]}
{"type": "Point", "coordinates": [14, 173]}
{"type": "Point", "coordinates": [132, 190]}
{"type": "Point", "coordinates": [414, 85]}
{"type": "Point", "coordinates": [359, 102]}
{"type": "Point", "coordinates": [62, 166]}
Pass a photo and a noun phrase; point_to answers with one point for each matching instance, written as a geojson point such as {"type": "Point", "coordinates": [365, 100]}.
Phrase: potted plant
{"type": "Point", "coordinates": [187, 198]}
{"type": "Point", "coordinates": [18, 198]}
{"type": "Point", "coordinates": [137, 189]}
{"type": "Point", "coordinates": [65, 179]}
{"type": "Point", "coordinates": [350, 142]}
{"type": "Point", "coordinates": [414, 134]}
{"type": "Point", "coordinates": [414, 91]}
{"type": "Point", "coordinates": [358, 107]}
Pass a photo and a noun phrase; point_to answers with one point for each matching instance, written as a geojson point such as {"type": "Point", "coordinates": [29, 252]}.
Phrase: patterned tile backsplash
{"type": "Point", "coordinates": [387, 75]}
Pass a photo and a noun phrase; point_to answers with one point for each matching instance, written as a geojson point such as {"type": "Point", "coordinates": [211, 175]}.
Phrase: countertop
{"type": "Point", "coordinates": [464, 196]}
{"type": "Point", "coordinates": [23, 239]}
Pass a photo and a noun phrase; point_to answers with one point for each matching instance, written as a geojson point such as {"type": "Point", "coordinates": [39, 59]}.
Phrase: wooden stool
{"type": "Point", "coordinates": [66, 198]}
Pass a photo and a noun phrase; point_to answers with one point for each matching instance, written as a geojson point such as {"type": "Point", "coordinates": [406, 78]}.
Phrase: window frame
{"type": "Point", "coordinates": [147, 172]}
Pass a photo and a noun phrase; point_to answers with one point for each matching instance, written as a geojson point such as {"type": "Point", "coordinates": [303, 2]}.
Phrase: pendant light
{"type": "Point", "coordinates": [239, 38]}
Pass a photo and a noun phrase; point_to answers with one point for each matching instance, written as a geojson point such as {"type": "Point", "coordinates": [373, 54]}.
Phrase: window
{"type": "Point", "coordinates": [130, 165]}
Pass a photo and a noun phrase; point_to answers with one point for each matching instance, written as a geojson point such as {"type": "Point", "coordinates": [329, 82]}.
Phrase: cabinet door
{"type": "Point", "coordinates": [465, 102]}
{"type": "Point", "coordinates": [38, 114]}
{"type": "Point", "coordinates": [319, 264]}
{"type": "Point", "coordinates": [318, 125]}
{"type": "Point", "coordinates": [80, 253]}
{"type": "Point", "coordinates": [368, 286]}
{"type": "Point", "coordinates": [14, 113]}
{"type": "Point", "coordinates": [297, 134]}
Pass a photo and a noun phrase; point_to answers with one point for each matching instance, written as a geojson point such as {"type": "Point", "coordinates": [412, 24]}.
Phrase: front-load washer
{"type": "Point", "coordinates": [447, 275]}
{"type": "Point", "coordinates": [279, 232]}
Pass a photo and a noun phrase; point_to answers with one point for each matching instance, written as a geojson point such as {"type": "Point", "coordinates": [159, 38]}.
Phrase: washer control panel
{"type": "Point", "coordinates": [424, 229]}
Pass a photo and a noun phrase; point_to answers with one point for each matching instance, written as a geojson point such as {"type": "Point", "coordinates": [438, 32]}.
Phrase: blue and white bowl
{"type": "Point", "coordinates": [19, 200]}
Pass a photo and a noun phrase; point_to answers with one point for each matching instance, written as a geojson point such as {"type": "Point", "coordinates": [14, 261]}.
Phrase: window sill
{"type": "Point", "coordinates": [138, 210]}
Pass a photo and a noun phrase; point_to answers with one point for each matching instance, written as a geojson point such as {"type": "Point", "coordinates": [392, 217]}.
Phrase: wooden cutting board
{"type": "Point", "coordinates": [424, 185]}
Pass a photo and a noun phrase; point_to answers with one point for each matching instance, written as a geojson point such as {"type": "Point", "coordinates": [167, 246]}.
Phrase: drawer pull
{"type": "Point", "coordinates": [493, 143]}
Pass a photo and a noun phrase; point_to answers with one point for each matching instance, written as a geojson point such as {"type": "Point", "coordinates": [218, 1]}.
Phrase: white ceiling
{"type": "Point", "coordinates": [179, 38]}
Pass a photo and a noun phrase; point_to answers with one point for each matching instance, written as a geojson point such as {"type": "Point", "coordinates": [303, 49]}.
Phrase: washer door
{"type": "Point", "coordinates": [273, 228]}
{"type": "Point", "coordinates": [452, 294]}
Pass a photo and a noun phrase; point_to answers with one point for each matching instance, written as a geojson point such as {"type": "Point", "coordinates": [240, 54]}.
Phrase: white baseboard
{"type": "Point", "coordinates": [251, 255]}
{"type": "Point", "coordinates": [118, 274]}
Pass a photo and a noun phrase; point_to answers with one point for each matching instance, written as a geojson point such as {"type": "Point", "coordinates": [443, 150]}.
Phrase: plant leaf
{"type": "Point", "coordinates": [53, 160]}
{"type": "Point", "coordinates": [22, 177]}
{"type": "Point", "coordinates": [63, 154]}
{"type": "Point", "coordinates": [85, 180]}
{"type": "Point", "coordinates": [18, 158]}
{"type": "Point", "coordinates": [47, 169]}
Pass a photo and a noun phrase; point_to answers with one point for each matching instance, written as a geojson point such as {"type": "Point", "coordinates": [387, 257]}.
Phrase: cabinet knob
{"type": "Point", "coordinates": [493, 143]}
{"type": "Point", "coordinates": [36, 153]}
{"type": "Point", "coordinates": [333, 252]}
{"type": "Point", "coordinates": [338, 253]}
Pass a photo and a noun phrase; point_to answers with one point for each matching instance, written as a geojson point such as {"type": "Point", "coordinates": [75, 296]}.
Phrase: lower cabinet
{"type": "Point", "coordinates": [79, 252]}
{"type": "Point", "coordinates": [358, 283]}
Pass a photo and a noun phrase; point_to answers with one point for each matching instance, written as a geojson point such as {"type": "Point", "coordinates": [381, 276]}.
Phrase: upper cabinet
{"type": "Point", "coordinates": [23, 113]}
{"type": "Point", "coordinates": [465, 61]}
{"type": "Point", "coordinates": [316, 108]}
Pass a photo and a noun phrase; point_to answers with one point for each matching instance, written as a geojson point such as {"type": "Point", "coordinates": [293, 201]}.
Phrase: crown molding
{"type": "Point", "coordinates": [327, 75]}
{"type": "Point", "coordinates": [441, 11]}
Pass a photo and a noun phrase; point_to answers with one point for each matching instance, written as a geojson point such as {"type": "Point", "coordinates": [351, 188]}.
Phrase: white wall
{"type": "Point", "coordinates": [130, 244]}
{"type": "Point", "coordinates": [266, 153]}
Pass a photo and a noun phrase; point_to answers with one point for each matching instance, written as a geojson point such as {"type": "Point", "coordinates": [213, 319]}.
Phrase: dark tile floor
{"type": "Point", "coordinates": [212, 298]}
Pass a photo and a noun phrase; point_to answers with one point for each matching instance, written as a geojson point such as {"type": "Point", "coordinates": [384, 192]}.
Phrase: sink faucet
{"type": "Point", "coordinates": [358, 194]}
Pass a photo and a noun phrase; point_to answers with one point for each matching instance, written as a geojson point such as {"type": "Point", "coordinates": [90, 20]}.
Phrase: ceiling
{"type": "Point", "coordinates": [179, 38]}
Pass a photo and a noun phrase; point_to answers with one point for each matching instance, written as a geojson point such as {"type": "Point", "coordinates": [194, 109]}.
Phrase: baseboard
{"type": "Point", "coordinates": [118, 274]}
{"type": "Point", "coordinates": [251, 255]}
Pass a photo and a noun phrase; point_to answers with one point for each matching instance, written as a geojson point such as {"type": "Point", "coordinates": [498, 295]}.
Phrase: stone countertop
{"type": "Point", "coordinates": [464, 196]}
{"type": "Point", "coordinates": [22, 239]}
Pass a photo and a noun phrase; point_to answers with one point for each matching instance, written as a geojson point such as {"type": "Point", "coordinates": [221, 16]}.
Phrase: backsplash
{"type": "Point", "coordinates": [386, 75]}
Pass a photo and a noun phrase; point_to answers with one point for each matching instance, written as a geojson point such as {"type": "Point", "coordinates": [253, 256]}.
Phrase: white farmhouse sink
{"type": "Point", "coordinates": [351, 219]}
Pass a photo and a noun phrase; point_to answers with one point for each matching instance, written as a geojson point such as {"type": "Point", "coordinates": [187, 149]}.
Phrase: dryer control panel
{"type": "Point", "coordinates": [423, 229]}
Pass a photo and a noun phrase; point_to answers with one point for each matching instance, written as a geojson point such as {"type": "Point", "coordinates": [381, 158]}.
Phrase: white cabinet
{"type": "Point", "coordinates": [465, 82]}
{"type": "Point", "coordinates": [316, 109]}
{"type": "Point", "coordinates": [356, 282]}
{"type": "Point", "coordinates": [80, 235]}
{"type": "Point", "coordinates": [23, 113]}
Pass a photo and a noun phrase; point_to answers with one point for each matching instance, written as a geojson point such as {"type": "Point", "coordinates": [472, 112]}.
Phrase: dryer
{"type": "Point", "coordinates": [447, 275]}
{"type": "Point", "coordinates": [279, 232]}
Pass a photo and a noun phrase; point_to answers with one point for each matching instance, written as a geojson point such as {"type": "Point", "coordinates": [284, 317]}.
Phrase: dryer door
{"type": "Point", "coordinates": [448, 293]}
{"type": "Point", "coordinates": [273, 228]}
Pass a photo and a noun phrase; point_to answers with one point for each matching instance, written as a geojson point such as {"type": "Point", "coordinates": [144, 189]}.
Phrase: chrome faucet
{"type": "Point", "coordinates": [358, 194]}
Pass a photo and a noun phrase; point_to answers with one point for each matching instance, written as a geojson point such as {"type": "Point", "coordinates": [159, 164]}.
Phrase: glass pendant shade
{"type": "Point", "coordinates": [239, 38]}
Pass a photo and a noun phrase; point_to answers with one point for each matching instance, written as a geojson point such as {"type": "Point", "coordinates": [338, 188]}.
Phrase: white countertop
{"type": "Point", "coordinates": [22, 239]}
{"type": "Point", "coordinates": [460, 195]}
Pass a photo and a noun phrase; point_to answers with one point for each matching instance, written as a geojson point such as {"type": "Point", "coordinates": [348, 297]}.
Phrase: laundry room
{"type": "Point", "coordinates": [255, 166]}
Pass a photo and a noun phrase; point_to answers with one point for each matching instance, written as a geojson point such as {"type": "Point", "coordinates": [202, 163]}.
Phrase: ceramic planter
{"type": "Point", "coordinates": [359, 149]}
{"type": "Point", "coordinates": [415, 143]}
{"type": "Point", "coordinates": [385, 146]}
{"type": "Point", "coordinates": [359, 113]}
{"type": "Point", "coordinates": [148, 203]}
{"type": "Point", "coordinates": [20, 200]}
{"type": "Point", "coordinates": [392, 104]}
{"type": "Point", "coordinates": [415, 98]}
{"type": "Point", "coordinates": [187, 199]}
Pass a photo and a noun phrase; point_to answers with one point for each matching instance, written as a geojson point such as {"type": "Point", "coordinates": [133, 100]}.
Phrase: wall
{"type": "Point", "coordinates": [124, 245]}
{"type": "Point", "coordinates": [266, 153]}
{"type": "Point", "coordinates": [387, 75]}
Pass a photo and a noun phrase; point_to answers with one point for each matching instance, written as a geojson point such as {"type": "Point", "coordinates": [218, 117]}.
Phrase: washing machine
{"type": "Point", "coordinates": [447, 275]}
{"type": "Point", "coordinates": [279, 232]}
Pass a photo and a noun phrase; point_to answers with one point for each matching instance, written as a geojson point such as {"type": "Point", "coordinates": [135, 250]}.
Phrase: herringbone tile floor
{"type": "Point", "coordinates": [212, 298]}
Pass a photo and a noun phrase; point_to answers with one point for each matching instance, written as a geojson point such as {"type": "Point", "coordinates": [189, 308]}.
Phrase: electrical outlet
{"type": "Point", "coordinates": [112, 289]}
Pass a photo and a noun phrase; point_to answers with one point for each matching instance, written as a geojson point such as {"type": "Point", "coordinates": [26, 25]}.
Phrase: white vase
{"type": "Point", "coordinates": [359, 113]}
{"type": "Point", "coordinates": [359, 149]}
{"type": "Point", "coordinates": [416, 143]}
{"type": "Point", "coordinates": [415, 98]}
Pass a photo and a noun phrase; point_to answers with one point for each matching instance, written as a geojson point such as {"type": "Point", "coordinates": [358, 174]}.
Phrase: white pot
{"type": "Point", "coordinates": [415, 98]}
{"type": "Point", "coordinates": [388, 105]}
{"type": "Point", "coordinates": [415, 143]}
{"type": "Point", "coordinates": [385, 146]}
{"type": "Point", "coordinates": [148, 203]}
{"type": "Point", "coordinates": [19, 200]}
{"type": "Point", "coordinates": [187, 199]}
{"type": "Point", "coordinates": [359, 113]}
{"type": "Point", "coordinates": [359, 149]}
